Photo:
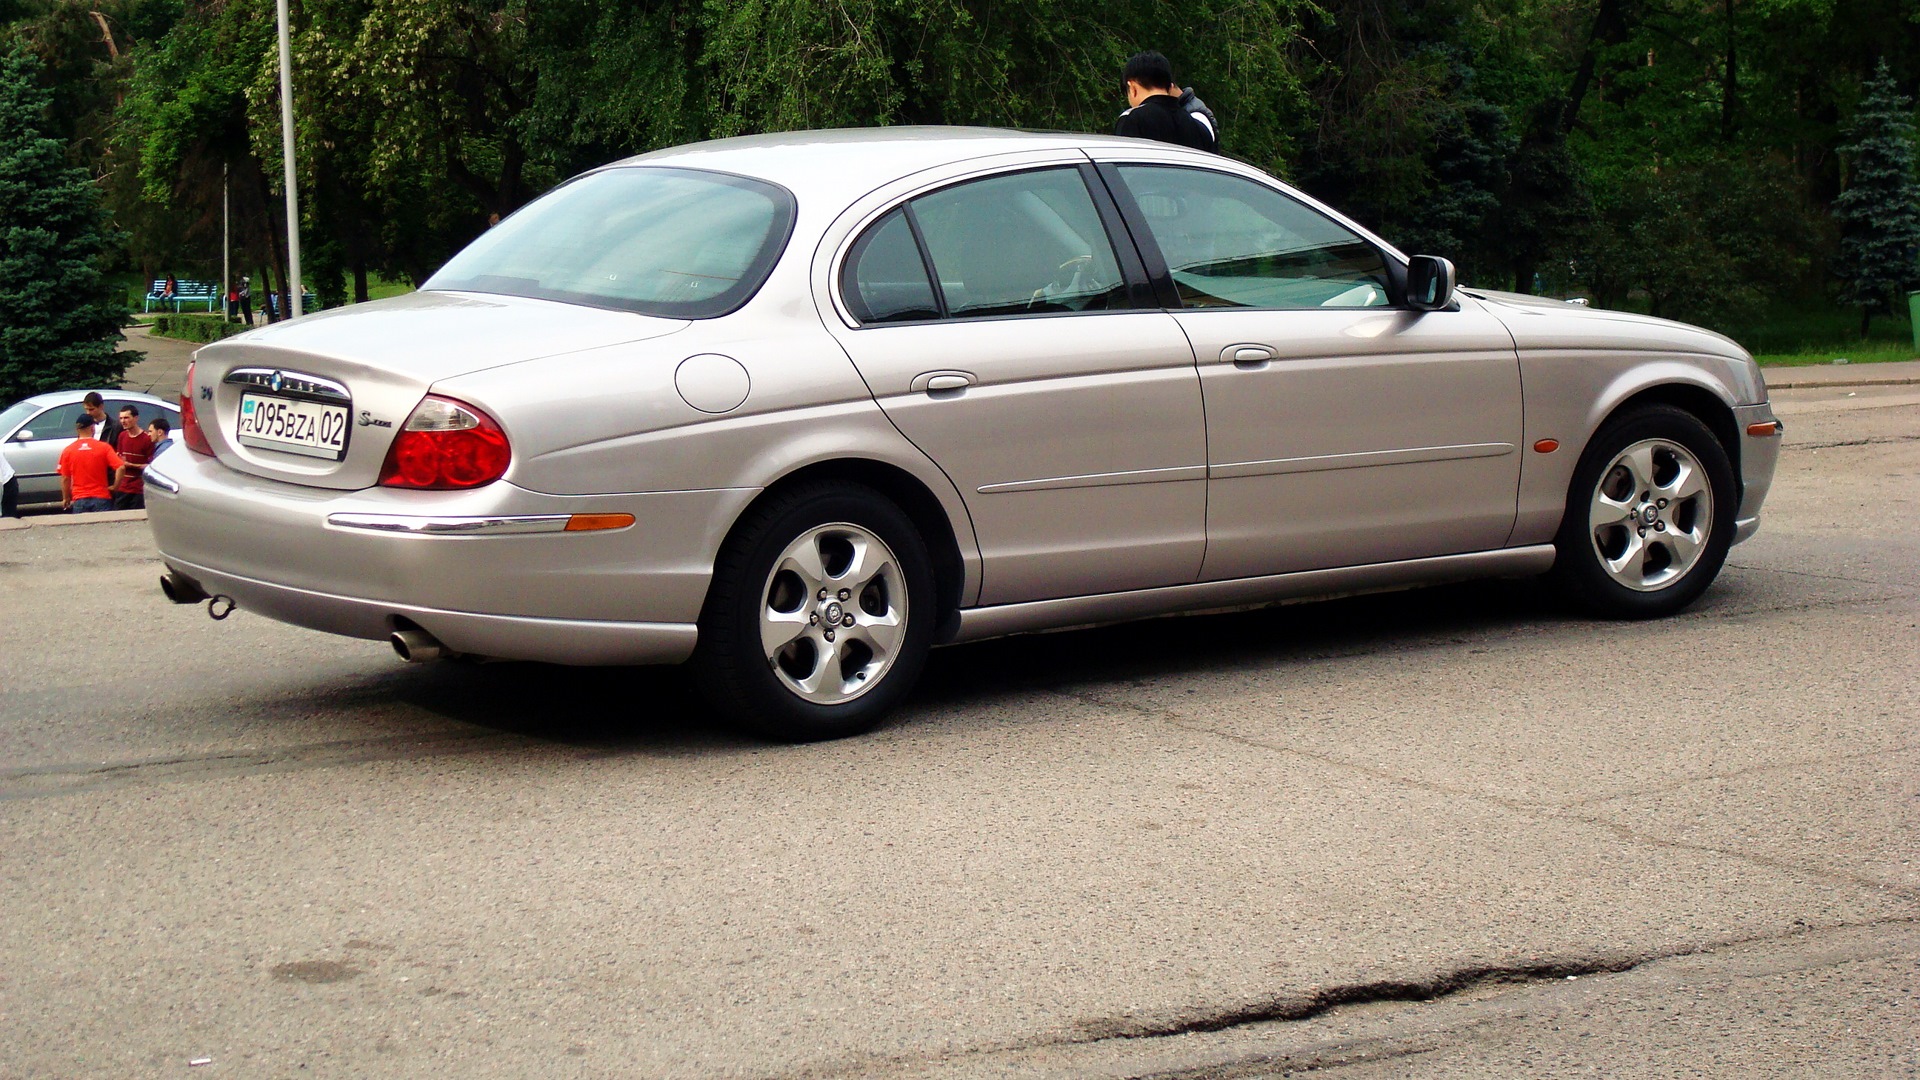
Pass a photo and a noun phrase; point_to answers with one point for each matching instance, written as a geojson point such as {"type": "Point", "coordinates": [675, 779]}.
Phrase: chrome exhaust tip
{"type": "Point", "coordinates": [417, 646]}
{"type": "Point", "coordinates": [181, 589]}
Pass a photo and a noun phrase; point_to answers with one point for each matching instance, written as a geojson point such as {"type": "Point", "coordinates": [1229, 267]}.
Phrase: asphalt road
{"type": "Point", "coordinates": [1445, 833]}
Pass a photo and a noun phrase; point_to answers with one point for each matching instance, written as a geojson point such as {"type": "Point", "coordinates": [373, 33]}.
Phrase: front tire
{"type": "Point", "coordinates": [1649, 516]}
{"type": "Point", "coordinates": [820, 615]}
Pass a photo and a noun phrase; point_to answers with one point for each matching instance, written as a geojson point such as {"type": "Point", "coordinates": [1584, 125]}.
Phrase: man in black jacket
{"type": "Point", "coordinates": [1157, 109]}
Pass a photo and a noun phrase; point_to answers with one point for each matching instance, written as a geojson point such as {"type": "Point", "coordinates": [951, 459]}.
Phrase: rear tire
{"type": "Point", "coordinates": [820, 615]}
{"type": "Point", "coordinates": [1649, 516]}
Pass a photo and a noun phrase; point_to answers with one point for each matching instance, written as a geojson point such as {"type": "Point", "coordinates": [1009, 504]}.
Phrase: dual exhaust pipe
{"type": "Point", "coordinates": [411, 644]}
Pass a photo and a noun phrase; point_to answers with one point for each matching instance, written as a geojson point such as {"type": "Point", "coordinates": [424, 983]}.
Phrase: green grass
{"type": "Point", "coordinates": [1821, 327]}
{"type": "Point", "coordinates": [379, 288]}
{"type": "Point", "coordinates": [1872, 352]}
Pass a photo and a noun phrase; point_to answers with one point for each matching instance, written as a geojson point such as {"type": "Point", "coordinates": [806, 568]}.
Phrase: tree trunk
{"type": "Point", "coordinates": [273, 248]}
{"type": "Point", "coordinates": [1729, 84]}
{"type": "Point", "coordinates": [1866, 317]}
{"type": "Point", "coordinates": [1612, 24]}
{"type": "Point", "coordinates": [359, 281]}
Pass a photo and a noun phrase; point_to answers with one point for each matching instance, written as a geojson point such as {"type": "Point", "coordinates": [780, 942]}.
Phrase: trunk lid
{"type": "Point", "coordinates": [341, 383]}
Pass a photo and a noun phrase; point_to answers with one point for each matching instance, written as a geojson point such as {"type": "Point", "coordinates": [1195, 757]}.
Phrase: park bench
{"type": "Point", "coordinates": [270, 303]}
{"type": "Point", "coordinates": [184, 292]}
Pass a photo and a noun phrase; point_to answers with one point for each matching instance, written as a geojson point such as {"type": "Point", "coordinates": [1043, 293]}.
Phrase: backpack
{"type": "Point", "coordinates": [1197, 109]}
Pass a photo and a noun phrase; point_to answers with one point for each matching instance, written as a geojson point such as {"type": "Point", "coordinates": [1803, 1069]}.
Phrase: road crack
{"type": "Point", "coordinates": [1534, 811]}
{"type": "Point", "coordinates": [43, 781]}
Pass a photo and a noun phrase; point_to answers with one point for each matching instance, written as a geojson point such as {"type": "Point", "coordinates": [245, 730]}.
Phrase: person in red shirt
{"type": "Point", "coordinates": [86, 470]}
{"type": "Point", "coordinates": [135, 447]}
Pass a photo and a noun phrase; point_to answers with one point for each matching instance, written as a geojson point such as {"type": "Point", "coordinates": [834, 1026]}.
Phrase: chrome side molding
{"type": "Point", "coordinates": [452, 526]}
{"type": "Point", "coordinates": [1003, 619]}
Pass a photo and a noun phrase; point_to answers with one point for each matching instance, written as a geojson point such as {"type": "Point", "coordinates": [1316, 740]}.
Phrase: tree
{"type": "Point", "coordinates": [1879, 213]}
{"type": "Point", "coordinates": [59, 321]}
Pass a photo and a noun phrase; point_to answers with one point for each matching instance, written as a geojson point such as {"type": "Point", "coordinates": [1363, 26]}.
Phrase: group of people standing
{"type": "Point", "coordinates": [103, 468]}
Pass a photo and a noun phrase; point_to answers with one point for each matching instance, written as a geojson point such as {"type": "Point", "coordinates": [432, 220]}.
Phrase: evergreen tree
{"type": "Point", "coordinates": [1879, 213]}
{"type": "Point", "coordinates": [59, 321]}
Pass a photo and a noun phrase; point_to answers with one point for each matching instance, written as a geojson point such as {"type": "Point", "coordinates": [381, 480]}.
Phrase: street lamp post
{"type": "Point", "coordinates": [286, 140]}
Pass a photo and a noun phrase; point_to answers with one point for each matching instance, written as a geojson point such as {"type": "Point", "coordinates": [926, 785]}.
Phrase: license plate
{"type": "Point", "coordinates": [294, 427]}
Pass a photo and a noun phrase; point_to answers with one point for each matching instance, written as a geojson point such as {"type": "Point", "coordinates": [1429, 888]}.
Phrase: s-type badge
{"type": "Point", "coordinates": [367, 420]}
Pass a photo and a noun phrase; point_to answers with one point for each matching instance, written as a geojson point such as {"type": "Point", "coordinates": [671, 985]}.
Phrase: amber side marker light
{"type": "Point", "coordinates": [1546, 446]}
{"type": "Point", "coordinates": [598, 522]}
{"type": "Point", "coordinates": [1768, 427]}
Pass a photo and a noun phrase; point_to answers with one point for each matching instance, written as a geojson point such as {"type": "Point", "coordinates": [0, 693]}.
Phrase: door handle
{"type": "Point", "coordinates": [1247, 356]}
{"type": "Point", "coordinates": [935, 382]}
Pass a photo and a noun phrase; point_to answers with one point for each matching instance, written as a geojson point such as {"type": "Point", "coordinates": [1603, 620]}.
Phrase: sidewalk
{"type": "Point", "coordinates": [163, 372]}
{"type": "Point", "coordinates": [49, 518]}
{"type": "Point", "coordinates": [1897, 373]}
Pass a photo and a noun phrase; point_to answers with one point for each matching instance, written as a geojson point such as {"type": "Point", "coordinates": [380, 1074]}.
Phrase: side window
{"type": "Point", "coordinates": [1233, 243]}
{"type": "Point", "coordinates": [55, 423]}
{"type": "Point", "coordinates": [1020, 244]}
{"type": "Point", "coordinates": [884, 279]}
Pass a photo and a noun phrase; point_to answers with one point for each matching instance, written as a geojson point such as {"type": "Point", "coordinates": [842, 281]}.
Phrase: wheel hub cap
{"type": "Point", "coordinates": [833, 615]}
{"type": "Point", "coordinates": [1650, 515]}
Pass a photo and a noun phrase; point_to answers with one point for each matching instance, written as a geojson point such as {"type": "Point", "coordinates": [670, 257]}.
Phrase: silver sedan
{"type": "Point", "coordinates": [797, 408]}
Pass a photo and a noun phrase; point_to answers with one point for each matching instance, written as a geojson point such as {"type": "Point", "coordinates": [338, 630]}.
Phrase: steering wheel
{"type": "Point", "coordinates": [1068, 277]}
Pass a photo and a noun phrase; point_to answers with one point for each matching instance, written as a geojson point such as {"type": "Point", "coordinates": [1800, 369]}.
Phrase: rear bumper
{"type": "Point", "coordinates": [556, 641]}
{"type": "Point", "coordinates": [1759, 455]}
{"type": "Point", "coordinates": [618, 596]}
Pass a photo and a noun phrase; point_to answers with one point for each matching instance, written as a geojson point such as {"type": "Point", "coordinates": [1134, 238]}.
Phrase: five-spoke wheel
{"type": "Point", "coordinates": [1649, 517]}
{"type": "Point", "coordinates": [820, 614]}
{"type": "Point", "coordinates": [835, 613]}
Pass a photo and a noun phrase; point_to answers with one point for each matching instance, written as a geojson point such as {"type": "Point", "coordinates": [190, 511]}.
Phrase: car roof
{"type": "Point", "coordinates": [64, 397]}
{"type": "Point", "coordinates": [851, 161]}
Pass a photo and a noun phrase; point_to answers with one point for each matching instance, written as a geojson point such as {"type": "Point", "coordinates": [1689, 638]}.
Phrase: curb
{"type": "Point", "coordinates": [1828, 384]}
{"type": "Point", "coordinates": [101, 517]}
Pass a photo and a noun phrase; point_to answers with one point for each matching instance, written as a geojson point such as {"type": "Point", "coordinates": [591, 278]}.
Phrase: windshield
{"type": "Point", "coordinates": [678, 243]}
{"type": "Point", "coordinates": [15, 414]}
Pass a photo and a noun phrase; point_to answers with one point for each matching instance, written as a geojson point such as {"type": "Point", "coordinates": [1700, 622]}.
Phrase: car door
{"type": "Point", "coordinates": [1342, 429]}
{"type": "Point", "coordinates": [1007, 336]}
{"type": "Point", "coordinates": [35, 449]}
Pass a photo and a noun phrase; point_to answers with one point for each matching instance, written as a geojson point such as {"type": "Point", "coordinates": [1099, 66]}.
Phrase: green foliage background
{"type": "Point", "coordinates": [1684, 157]}
{"type": "Point", "coordinates": [58, 318]}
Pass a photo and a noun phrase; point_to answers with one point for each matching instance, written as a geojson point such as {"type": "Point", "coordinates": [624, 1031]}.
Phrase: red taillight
{"type": "Point", "coordinates": [446, 444]}
{"type": "Point", "coordinates": [190, 432]}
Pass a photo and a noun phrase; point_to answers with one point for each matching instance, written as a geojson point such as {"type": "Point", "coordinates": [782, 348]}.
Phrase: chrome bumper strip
{"type": "Point", "coordinates": [452, 526]}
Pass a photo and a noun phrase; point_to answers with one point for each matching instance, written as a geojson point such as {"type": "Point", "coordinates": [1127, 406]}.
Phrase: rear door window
{"type": "Point", "coordinates": [1029, 243]}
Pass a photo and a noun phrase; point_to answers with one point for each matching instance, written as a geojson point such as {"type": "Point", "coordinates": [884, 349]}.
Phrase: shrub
{"type": "Point", "coordinates": [190, 327]}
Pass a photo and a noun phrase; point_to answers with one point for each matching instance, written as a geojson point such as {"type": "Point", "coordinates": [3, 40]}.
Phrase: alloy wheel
{"type": "Point", "coordinates": [1651, 514]}
{"type": "Point", "coordinates": [833, 613]}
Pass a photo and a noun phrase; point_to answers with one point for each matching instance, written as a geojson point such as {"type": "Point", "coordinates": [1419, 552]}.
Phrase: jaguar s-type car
{"type": "Point", "coordinates": [797, 408]}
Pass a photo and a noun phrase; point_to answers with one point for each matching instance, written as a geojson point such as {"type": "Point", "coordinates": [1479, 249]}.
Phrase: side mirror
{"type": "Point", "coordinates": [23, 435]}
{"type": "Point", "coordinates": [1429, 283]}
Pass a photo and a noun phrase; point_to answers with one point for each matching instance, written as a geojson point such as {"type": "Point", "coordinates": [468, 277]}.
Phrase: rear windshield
{"type": "Point", "coordinates": [678, 243]}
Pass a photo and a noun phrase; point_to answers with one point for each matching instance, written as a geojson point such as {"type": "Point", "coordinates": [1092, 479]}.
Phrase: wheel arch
{"type": "Point", "coordinates": [913, 497]}
{"type": "Point", "coordinates": [1710, 408]}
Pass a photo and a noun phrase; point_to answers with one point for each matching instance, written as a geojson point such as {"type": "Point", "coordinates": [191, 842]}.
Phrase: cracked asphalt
{"type": "Point", "coordinates": [1452, 832]}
